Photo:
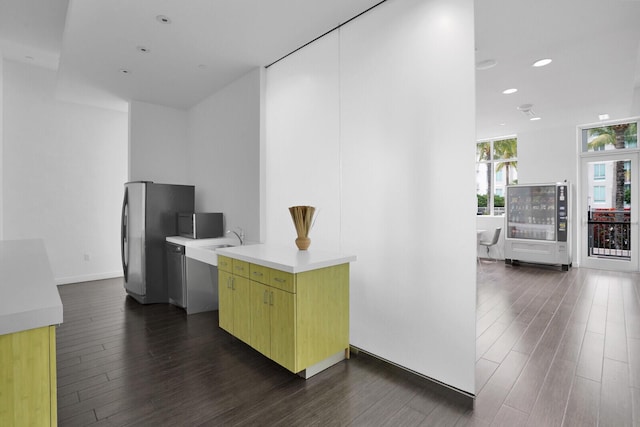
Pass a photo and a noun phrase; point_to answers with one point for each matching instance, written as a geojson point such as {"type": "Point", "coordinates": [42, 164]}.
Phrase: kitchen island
{"type": "Point", "coordinates": [30, 309]}
{"type": "Point", "coordinates": [292, 306]}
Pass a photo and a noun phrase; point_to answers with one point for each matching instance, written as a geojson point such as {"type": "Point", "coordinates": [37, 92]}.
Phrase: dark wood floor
{"type": "Point", "coordinates": [553, 348]}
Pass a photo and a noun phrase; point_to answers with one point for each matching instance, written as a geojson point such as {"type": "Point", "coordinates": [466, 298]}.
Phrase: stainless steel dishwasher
{"type": "Point", "coordinates": [176, 274]}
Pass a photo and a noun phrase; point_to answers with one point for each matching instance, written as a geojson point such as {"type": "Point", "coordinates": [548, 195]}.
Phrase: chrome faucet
{"type": "Point", "coordinates": [240, 235]}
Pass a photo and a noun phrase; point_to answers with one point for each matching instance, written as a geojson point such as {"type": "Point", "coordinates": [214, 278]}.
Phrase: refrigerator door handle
{"type": "Point", "coordinates": [123, 234]}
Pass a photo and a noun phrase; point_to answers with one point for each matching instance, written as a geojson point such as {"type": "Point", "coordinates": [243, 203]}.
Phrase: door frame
{"type": "Point", "coordinates": [583, 204]}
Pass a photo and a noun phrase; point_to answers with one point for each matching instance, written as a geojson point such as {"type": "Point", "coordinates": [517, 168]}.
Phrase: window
{"type": "Point", "coordinates": [599, 194]}
{"type": "Point", "coordinates": [599, 171]}
{"type": "Point", "coordinates": [627, 171]}
{"type": "Point", "coordinates": [610, 137]}
{"type": "Point", "coordinates": [496, 167]}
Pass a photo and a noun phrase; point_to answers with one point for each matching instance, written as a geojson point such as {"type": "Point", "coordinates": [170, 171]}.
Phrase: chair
{"type": "Point", "coordinates": [489, 243]}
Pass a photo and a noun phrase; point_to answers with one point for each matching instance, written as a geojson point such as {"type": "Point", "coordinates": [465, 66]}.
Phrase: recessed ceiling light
{"type": "Point", "coordinates": [486, 64]}
{"type": "Point", "coordinates": [533, 119]}
{"type": "Point", "coordinates": [163, 19]}
{"type": "Point", "coordinates": [542, 62]}
{"type": "Point", "coordinates": [124, 71]}
{"type": "Point", "coordinates": [143, 49]}
{"type": "Point", "coordinates": [603, 116]}
{"type": "Point", "coordinates": [510, 91]}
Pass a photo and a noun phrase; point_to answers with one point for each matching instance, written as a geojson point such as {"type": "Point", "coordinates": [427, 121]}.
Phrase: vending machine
{"type": "Point", "coordinates": [537, 224]}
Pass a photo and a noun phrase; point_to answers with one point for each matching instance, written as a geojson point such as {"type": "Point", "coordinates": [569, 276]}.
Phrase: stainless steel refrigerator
{"type": "Point", "coordinates": [149, 215]}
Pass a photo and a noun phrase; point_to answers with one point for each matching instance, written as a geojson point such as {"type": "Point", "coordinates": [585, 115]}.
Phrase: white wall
{"type": "Point", "coordinates": [635, 102]}
{"type": "Point", "coordinates": [224, 162]}
{"type": "Point", "coordinates": [548, 155]}
{"type": "Point", "coordinates": [63, 167]}
{"type": "Point", "coordinates": [157, 144]}
{"type": "Point", "coordinates": [551, 155]}
{"type": "Point", "coordinates": [1, 146]}
{"type": "Point", "coordinates": [372, 125]}
{"type": "Point", "coordinates": [303, 143]}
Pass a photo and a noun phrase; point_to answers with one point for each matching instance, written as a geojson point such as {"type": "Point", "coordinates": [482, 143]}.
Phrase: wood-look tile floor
{"type": "Point", "coordinates": [553, 348]}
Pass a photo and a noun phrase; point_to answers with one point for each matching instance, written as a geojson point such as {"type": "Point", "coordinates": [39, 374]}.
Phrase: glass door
{"type": "Point", "coordinates": [609, 214]}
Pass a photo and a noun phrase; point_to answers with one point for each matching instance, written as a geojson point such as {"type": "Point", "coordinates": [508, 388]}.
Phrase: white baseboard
{"type": "Point", "coordinates": [87, 278]}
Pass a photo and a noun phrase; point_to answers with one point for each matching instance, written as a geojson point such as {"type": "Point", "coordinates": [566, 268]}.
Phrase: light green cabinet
{"type": "Point", "coordinates": [234, 308]}
{"type": "Point", "coordinates": [28, 395]}
{"type": "Point", "coordinates": [297, 320]}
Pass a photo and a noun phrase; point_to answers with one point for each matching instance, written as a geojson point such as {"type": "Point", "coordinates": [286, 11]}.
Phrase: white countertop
{"type": "Point", "coordinates": [288, 259]}
{"type": "Point", "coordinates": [202, 249]}
{"type": "Point", "coordinates": [194, 243]}
{"type": "Point", "coordinates": [29, 297]}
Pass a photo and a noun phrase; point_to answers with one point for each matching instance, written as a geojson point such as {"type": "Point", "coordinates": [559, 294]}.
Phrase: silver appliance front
{"type": "Point", "coordinates": [176, 274]}
{"type": "Point", "coordinates": [134, 238]}
{"type": "Point", "coordinates": [149, 215]}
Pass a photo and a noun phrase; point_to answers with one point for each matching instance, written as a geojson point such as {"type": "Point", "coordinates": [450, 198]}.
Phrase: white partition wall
{"type": "Point", "coordinates": [374, 124]}
{"type": "Point", "coordinates": [303, 144]}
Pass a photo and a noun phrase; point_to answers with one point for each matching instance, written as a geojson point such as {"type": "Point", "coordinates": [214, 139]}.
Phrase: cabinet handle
{"type": "Point", "coordinates": [265, 297]}
{"type": "Point", "coordinates": [271, 298]}
{"type": "Point", "coordinates": [233, 283]}
{"type": "Point", "coordinates": [279, 280]}
{"type": "Point", "coordinates": [229, 282]}
{"type": "Point", "coordinates": [257, 273]}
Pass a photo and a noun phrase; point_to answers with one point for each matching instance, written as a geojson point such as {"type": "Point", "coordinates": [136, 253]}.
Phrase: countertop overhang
{"type": "Point", "coordinates": [29, 297]}
{"type": "Point", "coordinates": [287, 259]}
{"type": "Point", "coordinates": [200, 249]}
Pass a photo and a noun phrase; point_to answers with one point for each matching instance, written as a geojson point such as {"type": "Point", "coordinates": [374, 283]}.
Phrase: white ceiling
{"type": "Point", "coordinates": [595, 46]}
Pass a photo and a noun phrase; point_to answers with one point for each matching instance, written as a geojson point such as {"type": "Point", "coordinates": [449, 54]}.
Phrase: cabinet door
{"type": "Point", "coordinates": [283, 327]}
{"type": "Point", "coordinates": [225, 301]}
{"type": "Point", "coordinates": [28, 378]}
{"type": "Point", "coordinates": [260, 319]}
{"type": "Point", "coordinates": [241, 308]}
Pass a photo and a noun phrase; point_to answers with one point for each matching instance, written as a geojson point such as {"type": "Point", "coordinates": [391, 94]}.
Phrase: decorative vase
{"type": "Point", "coordinates": [303, 243]}
{"type": "Point", "coordinates": [303, 220]}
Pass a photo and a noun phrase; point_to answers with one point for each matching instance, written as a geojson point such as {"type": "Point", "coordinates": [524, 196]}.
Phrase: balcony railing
{"type": "Point", "coordinates": [609, 234]}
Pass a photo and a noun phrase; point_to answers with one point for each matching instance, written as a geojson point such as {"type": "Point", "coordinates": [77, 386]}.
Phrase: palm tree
{"type": "Point", "coordinates": [506, 149]}
{"type": "Point", "coordinates": [616, 136]}
{"type": "Point", "coordinates": [484, 154]}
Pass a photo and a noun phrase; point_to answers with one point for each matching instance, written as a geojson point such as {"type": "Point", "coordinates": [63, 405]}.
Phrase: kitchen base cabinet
{"type": "Point", "coordinates": [225, 301]}
{"type": "Point", "coordinates": [28, 378]}
{"type": "Point", "coordinates": [260, 319]}
{"type": "Point", "coordinates": [296, 319]}
{"type": "Point", "coordinates": [282, 332]}
{"type": "Point", "coordinates": [241, 308]}
{"type": "Point", "coordinates": [272, 324]}
{"type": "Point", "coordinates": [30, 307]}
{"type": "Point", "coordinates": [234, 309]}
{"type": "Point", "coordinates": [322, 324]}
